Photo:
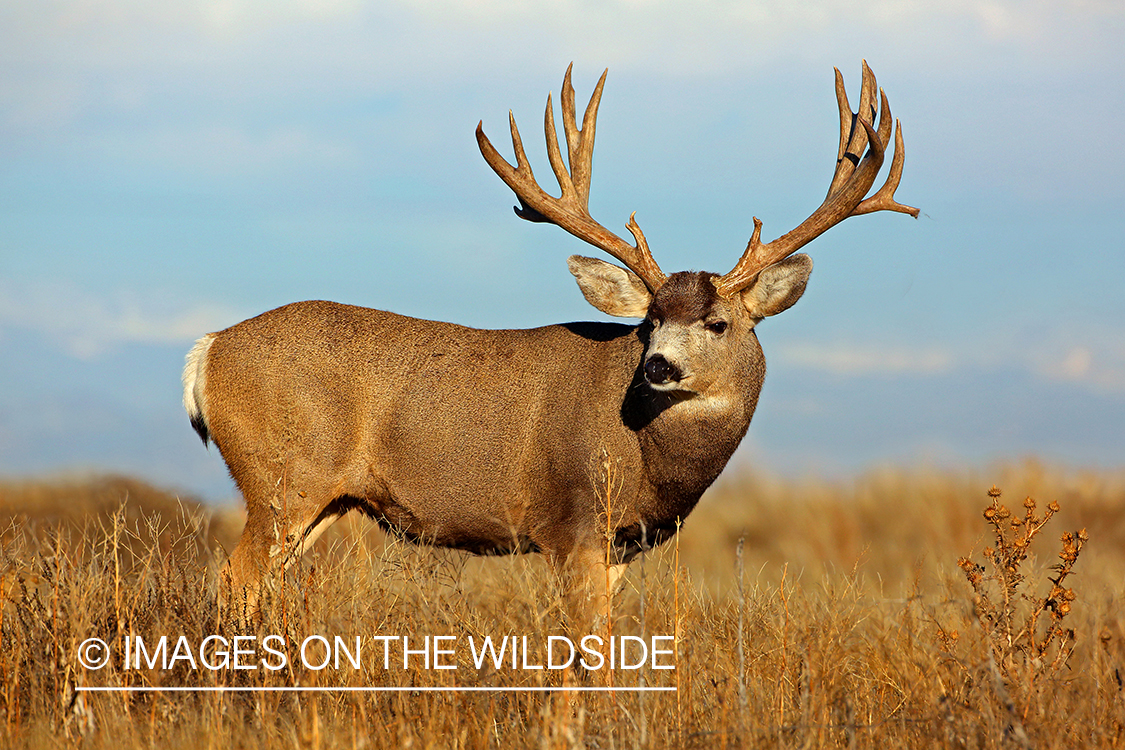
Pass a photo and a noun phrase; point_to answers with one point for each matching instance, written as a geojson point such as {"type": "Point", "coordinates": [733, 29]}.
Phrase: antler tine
{"type": "Point", "coordinates": [570, 126]}
{"type": "Point", "coordinates": [853, 138]}
{"type": "Point", "coordinates": [884, 199]}
{"type": "Point", "coordinates": [571, 210]}
{"type": "Point", "coordinates": [867, 93]}
{"type": "Point", "coordinates": [845, 129]}
{"type": "Point", "coordinates": [851, 181]}
{"type": "Point", "coordinates": [885, 119]}
{"type": "Point", "coordinates": [553, 153]}
{"type": "Point", "coordinates": [580, 143]}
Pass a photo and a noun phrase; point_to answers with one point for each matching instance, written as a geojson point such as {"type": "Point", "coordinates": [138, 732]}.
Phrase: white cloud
{"type": "Point", "coordinates": [241, 16]}
{"type": "Point", "coordinates": [719, 35]}
{"type": "Point", "coordinates": [1098, 366]}
{"type": "Point", "coordinates": [85, 325]}
{"type": "Point", "coordinates": [226, 150]}
{"type": "Point", "coordinates": [668, 35]}
{"type": "Point", "coordinates": [1096, 363]}
{"type": "Point", "coordinates": [840, 358]}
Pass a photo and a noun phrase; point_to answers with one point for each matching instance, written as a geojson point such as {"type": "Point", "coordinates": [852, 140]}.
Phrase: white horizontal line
{"type": "Point", "coordinates": [367, 689]}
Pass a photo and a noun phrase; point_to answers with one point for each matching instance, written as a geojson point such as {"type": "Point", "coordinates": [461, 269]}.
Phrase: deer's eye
{"type": "Point", "coordinates": [717, 327]}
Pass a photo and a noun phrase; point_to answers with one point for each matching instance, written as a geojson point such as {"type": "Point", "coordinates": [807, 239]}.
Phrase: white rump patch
{"type": "Point", "coordinates": [195, 379]}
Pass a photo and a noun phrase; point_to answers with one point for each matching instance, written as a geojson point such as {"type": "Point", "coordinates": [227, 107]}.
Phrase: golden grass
{"type": "Point", "coordinates": [843, 620]}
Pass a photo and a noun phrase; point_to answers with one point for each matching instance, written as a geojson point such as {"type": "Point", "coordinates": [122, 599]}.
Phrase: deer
{"type": "Point", "coordinates": [501, 442]}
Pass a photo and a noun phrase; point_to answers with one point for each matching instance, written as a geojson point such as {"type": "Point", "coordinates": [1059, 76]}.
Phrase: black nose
{"type": "Point", "coordinates": [659, 370]}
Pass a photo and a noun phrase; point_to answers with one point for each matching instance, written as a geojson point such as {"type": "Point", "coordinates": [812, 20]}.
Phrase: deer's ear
{"type": "Point", "coordinates": [613, 290]}
{"type": "Point", "coordinates": [778, 286]}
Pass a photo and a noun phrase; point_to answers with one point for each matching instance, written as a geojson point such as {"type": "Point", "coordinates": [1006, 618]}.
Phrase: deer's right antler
{"type": "Point", "coordinates": [571, 210]}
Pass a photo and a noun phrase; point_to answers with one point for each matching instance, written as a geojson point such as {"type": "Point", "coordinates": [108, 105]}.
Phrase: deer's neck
{"type": "Point", "coordinates": [685, 444]}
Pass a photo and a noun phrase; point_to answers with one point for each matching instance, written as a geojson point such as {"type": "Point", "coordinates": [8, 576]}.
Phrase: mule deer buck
{"type": "Point", "coordinates": [490, 441]}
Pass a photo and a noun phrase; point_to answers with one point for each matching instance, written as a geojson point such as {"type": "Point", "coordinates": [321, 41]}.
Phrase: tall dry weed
{"type": "Point", "coordinates": [1022, 628]}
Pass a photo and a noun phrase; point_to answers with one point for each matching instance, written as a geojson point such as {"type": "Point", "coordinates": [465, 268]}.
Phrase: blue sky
{"type": "Point", "coordinates": [168, 169]}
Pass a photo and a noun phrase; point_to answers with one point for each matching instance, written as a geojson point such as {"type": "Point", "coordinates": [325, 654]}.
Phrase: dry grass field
{"type": "Point", "coordinates": [885, 611]}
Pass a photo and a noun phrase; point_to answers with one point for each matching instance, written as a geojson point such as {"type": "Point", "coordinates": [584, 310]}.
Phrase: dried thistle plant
{"type": "Point", "coordinates": [1023, 630]}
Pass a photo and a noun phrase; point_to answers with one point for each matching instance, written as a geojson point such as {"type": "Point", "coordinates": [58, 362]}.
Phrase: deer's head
{"type": "Point", "coordinates": [695, 320]}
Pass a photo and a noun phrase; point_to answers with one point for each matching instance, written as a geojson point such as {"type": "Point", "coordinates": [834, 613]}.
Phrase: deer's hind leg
{"type": "Point", "coordinates": [283, 521]}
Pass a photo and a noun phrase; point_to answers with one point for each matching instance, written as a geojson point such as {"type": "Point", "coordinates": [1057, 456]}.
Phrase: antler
{"type": "Point", "coordinates": [850, 183]}
{"type": "Point", "coordinates": [571, 210]}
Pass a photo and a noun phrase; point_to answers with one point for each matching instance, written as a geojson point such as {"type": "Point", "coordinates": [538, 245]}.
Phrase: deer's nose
{"type": "Point", "coordinates": [658, 370]}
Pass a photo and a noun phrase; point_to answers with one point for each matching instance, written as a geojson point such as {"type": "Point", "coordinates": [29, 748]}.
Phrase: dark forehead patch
{"type": "Point", "coordinates": [685, 297]}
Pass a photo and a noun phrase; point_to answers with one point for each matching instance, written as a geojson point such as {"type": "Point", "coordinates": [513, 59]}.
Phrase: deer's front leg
{"type": "Point", "coordinates": [589, 585]}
